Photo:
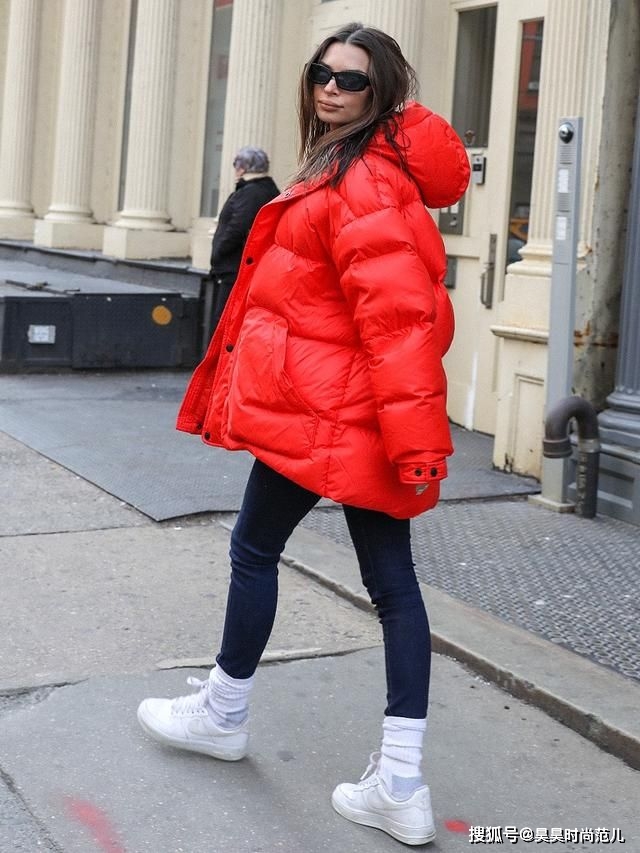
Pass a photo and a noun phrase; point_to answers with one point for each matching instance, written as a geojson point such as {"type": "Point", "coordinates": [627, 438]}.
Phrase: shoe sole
{"type": "Point", "coordinates": [406, 834]}
{"type": "Point", "coordinates": [202, 747]}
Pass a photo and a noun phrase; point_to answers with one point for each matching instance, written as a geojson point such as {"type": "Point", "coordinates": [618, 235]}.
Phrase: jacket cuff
{"type": "Point", "coordinates": [188, 424]}
{"type": "Point", "coordinates": [422, 472]}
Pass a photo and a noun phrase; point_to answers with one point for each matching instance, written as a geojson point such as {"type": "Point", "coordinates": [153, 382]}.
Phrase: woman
{"type": "Point", "coordinates": [327, 367]}
{"type": "Point", "coordinates": [254, 188]}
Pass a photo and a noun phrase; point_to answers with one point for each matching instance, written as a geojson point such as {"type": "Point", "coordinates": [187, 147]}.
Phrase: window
{"type": "Point", "coordinates": [216, 100]}
{"type": "Point", "coordinates": [471, 93]}
{"type": "Point", "coordinates": [474, 71]}
{"type": "Point", "coordinates": [525, 137]}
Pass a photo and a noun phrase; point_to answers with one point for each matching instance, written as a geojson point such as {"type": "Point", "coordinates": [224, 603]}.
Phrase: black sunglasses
{"type": "Point", "coordinates": [349, 81]}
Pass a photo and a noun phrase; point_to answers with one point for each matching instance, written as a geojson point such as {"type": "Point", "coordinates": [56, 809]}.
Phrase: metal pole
{"type": "Point", "coordinates": [563, 297]}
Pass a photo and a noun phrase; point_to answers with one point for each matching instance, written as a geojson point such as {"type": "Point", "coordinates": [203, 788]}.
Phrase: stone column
{"type": "Point", "coordinates": [573, 64]}
{"type": "Point", "coordinates": [69, 221]}
{"type": "Point", "coordinates": [18, 118]}
{"type": "Point", "coordinates": [250, 111]}
{"type": "Point", "coordinates": [142, 225]}
{"type": "Point", "coordinates": [401, 19]}
{"type": "Point", "coordinates": [252, 84]}
{"type": "Point", "coordinates": [620, 424]}
{"type": "Point", "coordinates": [619, 479]}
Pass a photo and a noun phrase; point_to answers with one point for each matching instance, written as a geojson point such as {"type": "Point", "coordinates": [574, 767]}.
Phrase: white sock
{"type": "Point", "coordinates": [228, 698]}
{"type": "Point", "coordinates": [401, 755]}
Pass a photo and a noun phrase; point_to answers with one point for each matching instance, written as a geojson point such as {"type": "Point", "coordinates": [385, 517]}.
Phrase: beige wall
{"type": "Point", "coordinates": [600, 83]}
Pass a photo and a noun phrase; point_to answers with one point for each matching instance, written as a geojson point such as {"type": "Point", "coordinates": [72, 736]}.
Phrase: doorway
{"type": "Point", "coordinates": [495, 84]}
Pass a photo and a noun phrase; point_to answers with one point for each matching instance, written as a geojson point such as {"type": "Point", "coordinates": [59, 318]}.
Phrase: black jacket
{"type": "Point", "coordinates": [235, 221]}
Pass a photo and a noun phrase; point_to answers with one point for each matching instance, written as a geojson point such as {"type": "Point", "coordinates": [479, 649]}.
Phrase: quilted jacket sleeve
{"type": "Point", "coordinates": [236, 218]}
{"type": "Point", "coordinates": [394, 306]}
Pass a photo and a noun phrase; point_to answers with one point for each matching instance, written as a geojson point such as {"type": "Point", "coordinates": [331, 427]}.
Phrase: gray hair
{"type": "Point", "coordinates": [252, 160]}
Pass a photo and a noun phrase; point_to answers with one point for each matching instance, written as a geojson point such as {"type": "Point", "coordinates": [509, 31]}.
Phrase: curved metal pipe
{"type": "Point", "coordinates": [556, 436]}
{"type": "Point", "coordinates": [557, 444]}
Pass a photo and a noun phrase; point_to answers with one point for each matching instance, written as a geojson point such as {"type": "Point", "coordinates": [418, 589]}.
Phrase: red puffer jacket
{"type": "Point", "coordinates": [327, 362]}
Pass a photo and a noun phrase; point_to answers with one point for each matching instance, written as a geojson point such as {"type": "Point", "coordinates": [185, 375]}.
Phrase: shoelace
{"type": "Point", "coordinates": [194, 701]}
{"type": "Point", "coordinates": [369, 776]}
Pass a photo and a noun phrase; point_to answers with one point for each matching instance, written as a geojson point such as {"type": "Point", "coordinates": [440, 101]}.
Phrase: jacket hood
{"type": "Point", "coordinates": [436, 158]}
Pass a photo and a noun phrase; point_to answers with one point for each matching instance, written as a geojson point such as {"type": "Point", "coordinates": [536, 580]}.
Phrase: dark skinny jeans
{"type": "Point", "coordinates": [272, 507]}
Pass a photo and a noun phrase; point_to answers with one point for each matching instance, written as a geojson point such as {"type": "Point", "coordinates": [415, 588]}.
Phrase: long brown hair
{"type": "Point", "coordinates": [393, 81]}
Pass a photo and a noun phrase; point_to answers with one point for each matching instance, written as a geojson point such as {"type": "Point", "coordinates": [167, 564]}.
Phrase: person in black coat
{"type": "Point", "coordinates": [254, 188]}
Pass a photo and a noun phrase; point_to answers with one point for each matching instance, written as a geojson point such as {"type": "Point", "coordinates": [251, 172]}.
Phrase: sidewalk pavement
{"type": "Point", "coordinates": [570, 580]}
{"type": "Point", "coordinates": [102, 606]}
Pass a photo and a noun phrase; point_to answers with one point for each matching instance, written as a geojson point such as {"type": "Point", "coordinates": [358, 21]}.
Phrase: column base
{"type": "Point", "coordinates": [549, 503]}
{"type": "Point", "coordinates": [67, 235]}
{"type": "Point", "coordinates": [201, 243]}
{"type": "Point", "coordinates": [620, 428]}
{"type": "Point", "coordinates": [129, 243]}
{"type": "Point", "coordinates": [17, 227]}
{"type": "Point", "coordinates": [555, 482]}
{"type": "Point", "coordinates": [619, 483]}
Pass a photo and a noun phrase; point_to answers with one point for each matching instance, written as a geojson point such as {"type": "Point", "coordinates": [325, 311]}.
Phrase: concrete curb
{"type": "Point", "coordinates": [595, 702]}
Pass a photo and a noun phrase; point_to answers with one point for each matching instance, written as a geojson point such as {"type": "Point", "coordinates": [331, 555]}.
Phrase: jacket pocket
{"type": "Point", "coordinates": [265, 410]}
{"type": "Point", "coordinates": [445, 322]}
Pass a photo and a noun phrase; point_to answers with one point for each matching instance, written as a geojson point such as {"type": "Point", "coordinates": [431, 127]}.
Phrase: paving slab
{"type": "Point", "coordinates": [96, 783]}
{"type": "Point", "coordinates": [106, 601]}
{"type": "Point", "coordinates": [101, 606]}
{"type": "Point", "coordinates": [38, 496]}
{"type": "Point", "coordinates": [19, 830]}
{"type": "Point", "coordinates": [595, 701]}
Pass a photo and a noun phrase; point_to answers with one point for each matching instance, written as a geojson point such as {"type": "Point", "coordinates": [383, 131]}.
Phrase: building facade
{"type": "Point", "coordinates": [120, 119]}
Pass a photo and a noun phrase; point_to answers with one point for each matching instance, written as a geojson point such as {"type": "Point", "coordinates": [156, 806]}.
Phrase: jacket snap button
{"type": "Point", "coordinates": [434, 472]}
{"type": "Point", "coordinates": [249, 260]}
{"type": "Point", "coordinates": [229, 347]}
{"type": "Point", "coordinates": [418, 472]}
{"type": "Point", "coordinates": [207, 436]}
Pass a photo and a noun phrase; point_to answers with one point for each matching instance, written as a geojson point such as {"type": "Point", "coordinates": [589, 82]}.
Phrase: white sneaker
{"type": "Point", "coordinates": [185, 723]}
{"type": "Point", "coordinates": [369, 803]}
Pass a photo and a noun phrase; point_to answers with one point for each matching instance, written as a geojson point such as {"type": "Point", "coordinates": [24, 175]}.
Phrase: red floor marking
{"type": "Point", "coordinates": [457, 826]}
{"type": "Point", "coordinates": [97, 822]}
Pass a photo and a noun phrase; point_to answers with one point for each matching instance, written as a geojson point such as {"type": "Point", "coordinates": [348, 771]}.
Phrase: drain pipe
{"type": "Point", "coordinates": [556, 444]}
